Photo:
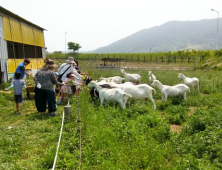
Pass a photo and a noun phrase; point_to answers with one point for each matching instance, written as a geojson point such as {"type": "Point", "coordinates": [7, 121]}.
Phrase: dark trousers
{"type": "Point", "coordinates": [41, 96]}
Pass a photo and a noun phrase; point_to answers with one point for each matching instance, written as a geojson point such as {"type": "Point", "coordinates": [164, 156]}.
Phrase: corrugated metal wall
{"type": "Point", "coordinates": [28, 36]}
{"type": "Point", "coordinates": [34, 64]}
{"type": "Point", "coordinates": [17, 32]}
{"type": "Point", "coordinates": [3, 53]}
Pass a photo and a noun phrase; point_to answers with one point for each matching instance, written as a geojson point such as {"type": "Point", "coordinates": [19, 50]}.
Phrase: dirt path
{"type": "Point", "coordinates": [8, 92]}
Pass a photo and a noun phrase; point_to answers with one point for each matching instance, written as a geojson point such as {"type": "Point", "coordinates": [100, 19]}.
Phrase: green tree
{"type": "Point", "coordinates": [73, 46]}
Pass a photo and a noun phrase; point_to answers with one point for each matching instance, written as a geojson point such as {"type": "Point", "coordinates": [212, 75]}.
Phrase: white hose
{"type": "Point", "coordinates": [58, 143]}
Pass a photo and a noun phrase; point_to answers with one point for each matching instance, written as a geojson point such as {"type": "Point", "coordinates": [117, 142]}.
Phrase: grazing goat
{"type": "Point", "coordinates": [113, 83]}
{"type": "Point", "coordinates": [191, 82]}
{"type": "Point", "coordinates": [138, 92]}
{"type": "Point", "coordinates": [87, 80]}
{"type": "Point", "coordinates": [151, 77]}
{"type": "Point", "coordinates": [112, 95]}
{"type": "Point", "coordinates": [134, 78]}
{"type": "Point", "coordinates": [116, 79]}
{"type": "Point", "coordinates": [171, 91]}
{"type": "Point", "coordinates": [95, 94]}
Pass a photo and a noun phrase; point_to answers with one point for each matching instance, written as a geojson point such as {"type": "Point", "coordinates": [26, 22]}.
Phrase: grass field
{"type": "Point", "coordinates": [177, 135]}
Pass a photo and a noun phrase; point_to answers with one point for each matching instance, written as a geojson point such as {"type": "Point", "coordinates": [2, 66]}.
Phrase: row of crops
{"type": "Point", "coordinates": [163, 56]}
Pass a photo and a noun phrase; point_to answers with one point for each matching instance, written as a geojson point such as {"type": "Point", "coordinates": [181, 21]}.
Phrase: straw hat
{"type": "Point", "coordinates": [48, 63]}
{"type": "Point", "coordinates": [51, 63]}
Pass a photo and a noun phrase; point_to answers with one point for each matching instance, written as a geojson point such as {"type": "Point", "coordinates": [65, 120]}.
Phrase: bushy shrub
{"type": "Point", "coordinates": [176, 114]}
{"type": "Point", "coordinates": [163, 105]}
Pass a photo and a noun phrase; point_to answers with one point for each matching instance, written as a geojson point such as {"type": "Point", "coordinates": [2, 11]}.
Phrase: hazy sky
{"type": "Point", "coordinates": [97, 23]}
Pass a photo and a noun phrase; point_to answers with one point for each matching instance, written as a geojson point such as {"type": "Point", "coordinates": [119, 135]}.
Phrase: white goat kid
{"type": "Point", "coordinates": [138, 92]}
{"type": "Point", "coordinates": [116, 79]}
{"type": "Point", "coordinates": [134, 78]}
{"type": "Point", "coordinates": [151, 77]}
{"type": "Point", "coordinates": [171, 91]}
{"type": "Point", "coordinates": [191, 82]}
{"type": "Point", "coordinates": [115, 95]}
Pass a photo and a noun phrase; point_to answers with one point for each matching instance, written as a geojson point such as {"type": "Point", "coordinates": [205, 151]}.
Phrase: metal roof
{"type": "Point", "coordinates": [5, 11]}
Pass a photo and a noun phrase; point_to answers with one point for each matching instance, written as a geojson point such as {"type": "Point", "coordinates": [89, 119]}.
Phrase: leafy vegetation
{"type": "Point", "coordinates": [73, 46]}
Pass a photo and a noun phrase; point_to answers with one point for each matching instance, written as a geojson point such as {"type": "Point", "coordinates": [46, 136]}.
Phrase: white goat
{"type": "Point", "coordinates": [116, 79]}
{"type": "Point", "coordinates": [134, 78]}
{"type": "Point", "coordinates": [151, 77]}
{"type": "Point", "coordinates": [112, 84]}
{"type": "Point", "coordinates": [138, 92]}
{"type": "Point", "coordinates": [112, 95]}
{"type": "Point", "coordinates": [171, 91]}
{"type": "Point", "coordinates": [192, 82]}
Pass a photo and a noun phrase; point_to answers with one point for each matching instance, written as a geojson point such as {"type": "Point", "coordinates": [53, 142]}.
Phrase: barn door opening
{"type": "Point", "coordinates": [18, 50]}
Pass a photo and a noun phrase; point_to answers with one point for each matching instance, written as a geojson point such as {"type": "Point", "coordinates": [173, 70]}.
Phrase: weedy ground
{"type": "Point", "coordinates": [177, 135]}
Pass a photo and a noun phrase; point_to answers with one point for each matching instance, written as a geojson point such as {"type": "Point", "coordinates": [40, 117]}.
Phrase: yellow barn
{"type": "Point", "coordinates": [19, 39]}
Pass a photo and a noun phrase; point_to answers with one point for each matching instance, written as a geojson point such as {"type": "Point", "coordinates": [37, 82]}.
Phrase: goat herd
{"type": "Point", "coordinates": [113, 90]}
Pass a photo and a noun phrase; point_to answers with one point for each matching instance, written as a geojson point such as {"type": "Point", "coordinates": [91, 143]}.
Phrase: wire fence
{"type": "Point", "coordinates": [138, 68]}
{"type": "Point", "coordinates": [134, 58]}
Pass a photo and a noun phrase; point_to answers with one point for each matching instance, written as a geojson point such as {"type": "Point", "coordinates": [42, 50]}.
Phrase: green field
{"type": "Point", "coordinates": [177, 135]}
{"type": "Point", "coordinates": [193, 60]}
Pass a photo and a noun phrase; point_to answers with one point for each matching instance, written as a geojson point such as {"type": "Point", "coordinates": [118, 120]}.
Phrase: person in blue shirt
{"type": "Point", "coordinates": [21, 68]}
{"type": "Point", "coordinates": [17, 84]}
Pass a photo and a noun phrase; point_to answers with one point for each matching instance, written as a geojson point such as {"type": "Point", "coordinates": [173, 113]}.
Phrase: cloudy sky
{"type": "Point", "coordinates": [97, 23]}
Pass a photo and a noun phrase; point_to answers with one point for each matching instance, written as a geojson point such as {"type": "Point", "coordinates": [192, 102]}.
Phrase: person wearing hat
{"type": "Point", "coordinates": [69, 67]}
{"type": "Point", "coordinates": [45, 91]}
{"type": "Point", "coordinates": [66, 89]}
{"type": "Point", "coordinates": [66, 68]}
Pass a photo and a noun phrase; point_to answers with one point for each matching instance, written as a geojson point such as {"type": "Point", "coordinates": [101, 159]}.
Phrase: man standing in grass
{"type": "Point", "coordinates": [21, 68]}
{"type": "Point", "coordinates": [17, 83]}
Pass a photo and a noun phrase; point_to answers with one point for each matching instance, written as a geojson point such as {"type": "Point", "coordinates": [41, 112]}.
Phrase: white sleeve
{"type": "Point", "coordinates": [73, 70]}
{"type": "Point", "coordinates": [77, 74]}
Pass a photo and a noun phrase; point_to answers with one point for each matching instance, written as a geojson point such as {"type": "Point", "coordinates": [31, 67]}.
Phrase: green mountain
{"type": "Point", "coordinates": [171, 36]}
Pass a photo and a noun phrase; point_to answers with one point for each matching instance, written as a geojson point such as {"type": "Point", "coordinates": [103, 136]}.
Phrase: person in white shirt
{"type": "Point", "coordinates": [65, 69]}
{"type": "Point", "coordinates": [68, 67]}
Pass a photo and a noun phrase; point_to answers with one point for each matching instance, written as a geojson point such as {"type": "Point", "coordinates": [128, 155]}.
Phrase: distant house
{"type": "Point", "coordinates": [19, 39]}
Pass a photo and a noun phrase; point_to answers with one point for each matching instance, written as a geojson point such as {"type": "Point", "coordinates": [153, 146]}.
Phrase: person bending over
{"type": "Point", "coordinates": [21, 68]}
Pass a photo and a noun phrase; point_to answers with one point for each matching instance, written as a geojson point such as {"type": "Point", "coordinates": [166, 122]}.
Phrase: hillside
{"type": "Point", "coordinates": [171, 36]}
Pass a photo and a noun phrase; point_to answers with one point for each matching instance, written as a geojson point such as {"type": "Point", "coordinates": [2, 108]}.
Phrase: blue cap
{"type": "Point", "coordinates": [56, 73]}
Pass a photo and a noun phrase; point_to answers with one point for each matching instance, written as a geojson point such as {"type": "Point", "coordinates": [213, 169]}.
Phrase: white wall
{"type": "Point", "coordinates": [3, 52]}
